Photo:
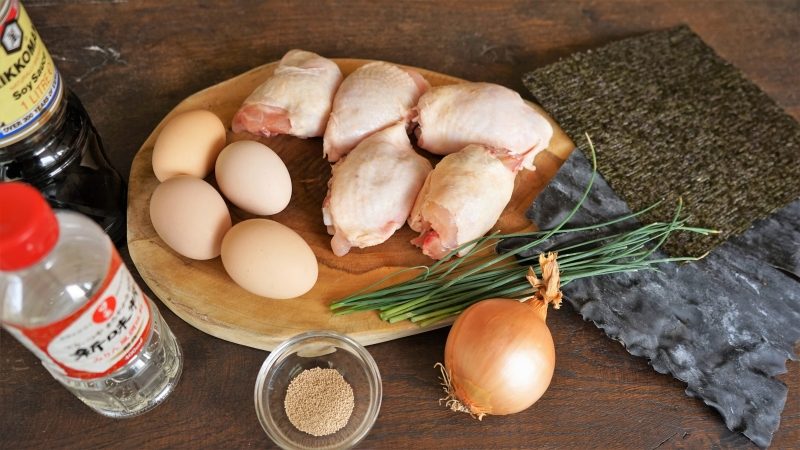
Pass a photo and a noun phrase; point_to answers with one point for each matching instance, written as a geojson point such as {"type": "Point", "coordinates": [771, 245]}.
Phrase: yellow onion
{"type": "Point", "coordinates": [499, 357]}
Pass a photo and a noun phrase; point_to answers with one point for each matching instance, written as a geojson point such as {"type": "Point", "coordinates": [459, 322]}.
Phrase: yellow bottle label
{"type": "Point", "coordinates": [30, 86]}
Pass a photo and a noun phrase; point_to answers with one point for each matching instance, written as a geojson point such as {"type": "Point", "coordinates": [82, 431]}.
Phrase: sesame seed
{"type": "Point", "coordinates": [319, 401]}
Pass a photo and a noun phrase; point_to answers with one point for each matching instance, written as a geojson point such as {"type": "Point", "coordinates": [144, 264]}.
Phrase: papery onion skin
{"type": "Point", "coordinates": [500, 356]}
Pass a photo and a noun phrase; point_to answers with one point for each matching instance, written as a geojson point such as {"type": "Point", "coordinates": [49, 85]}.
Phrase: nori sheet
{"type": "Point", "coordinates": [724, 325]}
{"type": "Point", "coordinates": [671, 118]}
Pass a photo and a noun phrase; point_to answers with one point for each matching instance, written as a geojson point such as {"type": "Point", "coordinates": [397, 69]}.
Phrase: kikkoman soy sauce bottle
{"type": "Point", "coordinates": [46, 136]}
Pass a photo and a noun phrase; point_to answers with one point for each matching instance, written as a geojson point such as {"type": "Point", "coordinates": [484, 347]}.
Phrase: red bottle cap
{"type": "Point", "coordinates": [28, 227]}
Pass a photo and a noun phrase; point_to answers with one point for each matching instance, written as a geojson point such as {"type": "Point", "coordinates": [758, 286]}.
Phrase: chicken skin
{"type": "Point", "coordinates": [453, 116]}
{"type": "Point", "coordinates": [295, 100]}
{"type": "Point", "coordinates": [372, 190]}
{"type": "Point", "coordinates": [373, 97]}
{"type": "Point", "coordinates": [461, 200]}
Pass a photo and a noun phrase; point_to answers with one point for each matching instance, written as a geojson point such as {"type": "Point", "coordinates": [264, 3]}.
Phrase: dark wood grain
{"type": "Point", "coordinates": [131, 62]}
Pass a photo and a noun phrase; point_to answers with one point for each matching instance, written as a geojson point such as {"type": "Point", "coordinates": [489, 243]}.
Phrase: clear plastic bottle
{"type": "Point", "coordinates": [67, 296]}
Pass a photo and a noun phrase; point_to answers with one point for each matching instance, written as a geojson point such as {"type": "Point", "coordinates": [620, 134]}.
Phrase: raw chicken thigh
{"type": "Point", "coordinates": [461, 199]}
{"type": "Point", "coordinates": [453, 116]}
{"type": "Point", "coordinates": [373, 189]}
{"type": "Point", "coordinates": [295, 100]}
{"type": "Point", "coordinates": [371, 98]}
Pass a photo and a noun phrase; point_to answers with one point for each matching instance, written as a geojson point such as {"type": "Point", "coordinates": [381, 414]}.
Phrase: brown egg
{"type": "Point", "coordinates": [253, 177]}
{"type": "Point", "coordinates": [190, 216]}
{"type": "Point", "coordinates": [188, 145]}
{"type": "Point", "coordinates": [269, 259]}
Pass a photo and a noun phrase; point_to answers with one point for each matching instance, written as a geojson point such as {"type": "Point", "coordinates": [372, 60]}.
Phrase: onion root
{"type": "Point", "coordinates": [450, 400]}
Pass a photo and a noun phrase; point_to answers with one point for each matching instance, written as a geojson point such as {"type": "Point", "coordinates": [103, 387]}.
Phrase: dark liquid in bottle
{"type": "Point", "coordinates": [65, 161]}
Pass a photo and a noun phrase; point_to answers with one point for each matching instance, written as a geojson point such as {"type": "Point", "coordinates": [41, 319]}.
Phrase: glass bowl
{"type": "Point", "coordinates": [327, 350]}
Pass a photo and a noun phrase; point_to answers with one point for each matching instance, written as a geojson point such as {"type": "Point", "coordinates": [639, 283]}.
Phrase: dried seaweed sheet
{"type": "Point", "coordinates": [670, 117]}
{"type": "Point", "coordinates": [725, 325]}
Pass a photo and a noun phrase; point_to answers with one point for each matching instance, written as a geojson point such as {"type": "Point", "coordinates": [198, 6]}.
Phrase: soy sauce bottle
{"type": "Point", "coordinates": [46, 136]}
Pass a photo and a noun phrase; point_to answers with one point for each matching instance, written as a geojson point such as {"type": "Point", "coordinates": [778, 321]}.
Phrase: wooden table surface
{"type": "Point", "coordinates": [131, 62]}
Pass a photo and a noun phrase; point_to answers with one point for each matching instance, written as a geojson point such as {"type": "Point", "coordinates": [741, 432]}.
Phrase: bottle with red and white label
{"type": "Point", "coordinates": [68, 298]}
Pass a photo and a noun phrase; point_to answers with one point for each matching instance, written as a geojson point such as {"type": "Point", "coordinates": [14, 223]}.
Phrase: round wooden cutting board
{"type": "Point", "coordinates": [202, 294]}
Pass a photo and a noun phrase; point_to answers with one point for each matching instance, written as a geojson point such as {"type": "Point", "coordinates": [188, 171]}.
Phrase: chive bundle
{"type": "Point", "coordinates": [447, 287]}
